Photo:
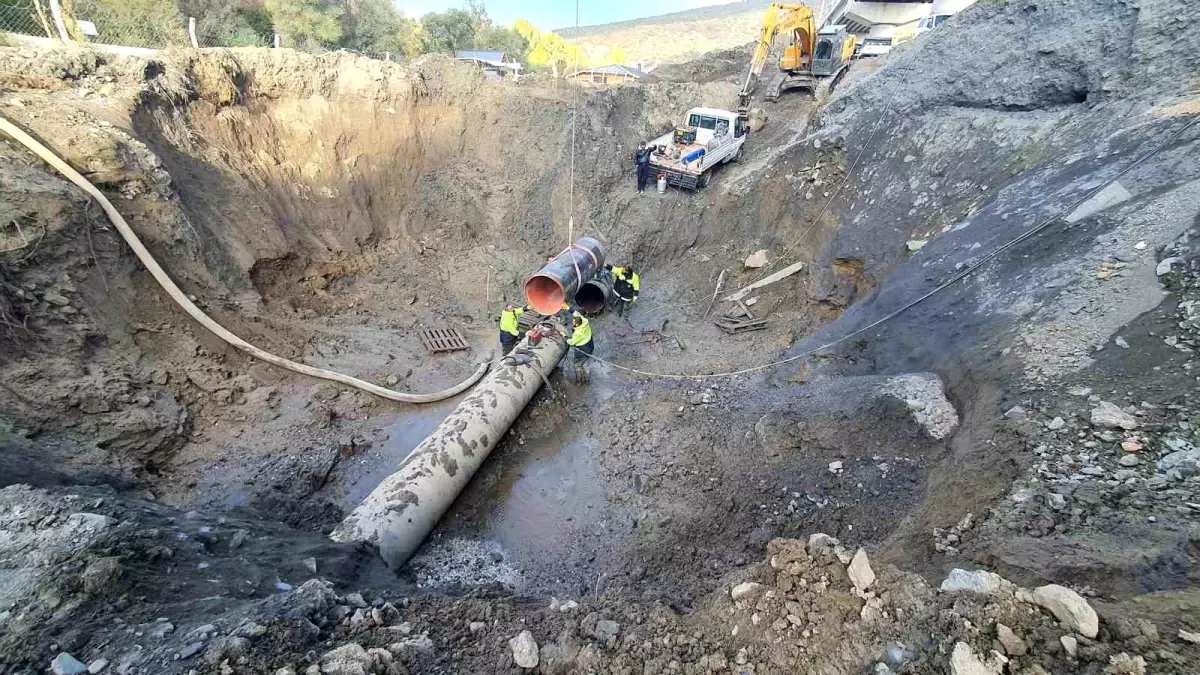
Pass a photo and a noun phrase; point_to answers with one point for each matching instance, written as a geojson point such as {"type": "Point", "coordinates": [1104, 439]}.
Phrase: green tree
{"type": "Point", "coordinates": [229, 23]}
{"type": "Point", "coordinates": [306, 23]}
{"type": "Point", "coordinates": [450, 31]}
{"type": "Point", "coordinates": [507, 40]}
{"type": "Point", "coordinates": [134, 23]}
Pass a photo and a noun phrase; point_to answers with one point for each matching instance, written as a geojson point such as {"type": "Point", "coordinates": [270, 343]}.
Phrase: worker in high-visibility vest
{"type": "Point", "coordinates": [510, 327]}
{"type": "Point", "coordinates": [626, 286]}
{"type": "Point", "coordinates": [582, 346]}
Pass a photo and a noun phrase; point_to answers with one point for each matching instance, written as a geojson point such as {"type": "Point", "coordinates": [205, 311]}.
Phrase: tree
{"type": "Point", "coordinates": [229, 23]}
{"type": "Point", "coordinates": [450, 31]}
{"type": "Point", "coordinates": [135, 23]}
{"type": "Point", "coordinates": [507, 40]}
{"type": "Point", "coordinates": [306, 23]}
{"type": "Point", "coordinates": [547, 48]}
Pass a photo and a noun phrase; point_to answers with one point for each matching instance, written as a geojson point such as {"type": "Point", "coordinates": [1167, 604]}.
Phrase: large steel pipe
{"type": "Point", "coordinates": [403, 510]}
{"type": "Point", "coordinates": [593, 296]}
{"type": "Point", "coordinates": [562, 277]}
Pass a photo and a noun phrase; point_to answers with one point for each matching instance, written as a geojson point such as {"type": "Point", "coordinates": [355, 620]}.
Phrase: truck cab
{"type": "Point", "coordinates": [687, 155]}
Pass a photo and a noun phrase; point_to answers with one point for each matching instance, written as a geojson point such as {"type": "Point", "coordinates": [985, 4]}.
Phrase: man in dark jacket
{"type": "Point", "coordinates": [642, 160]}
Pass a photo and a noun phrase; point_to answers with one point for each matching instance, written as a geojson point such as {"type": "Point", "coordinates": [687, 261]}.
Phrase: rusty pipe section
{"type": "Point", "coordinates": [403, 510]}
{"type": "Point", "coordinates": [562, 277]}
{"type": "Point", "coordinates": [594, 295]}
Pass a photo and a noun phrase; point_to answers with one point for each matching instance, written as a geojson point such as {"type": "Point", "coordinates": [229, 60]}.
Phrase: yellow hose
{"type": "Point", "coordinates": [196, 313]}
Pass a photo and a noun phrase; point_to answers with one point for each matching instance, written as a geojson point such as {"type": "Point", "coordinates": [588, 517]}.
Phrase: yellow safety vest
{"type": "Point", "coordinates": [581, 335]}
{"type": "Point", "coordinates": [509, 321]}
{"type": "Point", "coordinates": [634, 280]}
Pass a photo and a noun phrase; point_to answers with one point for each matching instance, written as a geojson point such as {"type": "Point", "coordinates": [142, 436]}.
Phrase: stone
{"type": "Point", "coordinates": [356, 600]}
{"type": "Point", "coordinates": [65, 664]}
{"type": "Point", "coordinates": [1056, 501]}
{"type": "Point", "coordinates": [524, 650]}
{"type": "Point", "coordinates": [914, 245]}
{"type": "Point", "coordinates": [1128, 460]}
{"type": "Point", "coordinates": [744, 590]}
{"type": "Point", "coordinates": [964, 662]}
{"type": "Point", "coordinates": [55, 298]}
{"type": "Point", "coordinates": [188, 651]}
{"type": "Point", "coordinates": [1080, 391]}
{"type": "Point", "coordinates": [1188, 636]}
{"type": "Point", "coordinates": [285, 671]}
{"type": "Point", "coordinates": [1108, 415]}
{"type": "Point", "coordinates": [860, 572]}
{"type": "Point", "coordinates": [978, 581]}
{"type": "Point", "coordinates": [1120, 342]}
{"type": "Point", "coordinates": [310, 564]}
{"type": "Point", "coordinates": [1131, 445]}
{"type": "Point", "coordinates": [476, 626]}
{"type": "Point", "coordinates": [1185, 462]}
{"type": "Point", "coordinates": [97, 666]}
{"type": "Point", "coordinates": [607, 628]}
{"type": "Point", "coordinates": [883, 669]}
{"type": "Point", "coordinates": [1013, 644]}
{"type": "Point", "coordinates": [835, 467]}
{"type": "Point", "coordinates": [1068, 607]}
{"type": "Point", "coordinates": [349, 659]}
{"type": "Point", "coordinates": [820, 542]}
{"type": "Point", "coordinates": [1140, 246]}
{"type": "Point", "coordinates": [160, 629]}
{"type": "Point", "coordinates": [756, 260]}
{"type": "Point", "coordinates": [1070, 644]}
{"type": "Point", "coordinates": [1164, 267]}
{"type": "Point", "coordinates": [1056, 424]}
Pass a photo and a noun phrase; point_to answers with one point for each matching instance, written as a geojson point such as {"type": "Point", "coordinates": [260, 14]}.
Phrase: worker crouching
{"type": "Point", "coordinates": [626, 287]}
{"type": "Point", "coordinates": [582, 346]}
{"type": "Point", "coordinates": [510, 327]}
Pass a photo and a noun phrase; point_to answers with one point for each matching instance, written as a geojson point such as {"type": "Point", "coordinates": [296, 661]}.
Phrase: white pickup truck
{"type": "Point", "coordinates": [688, 154]}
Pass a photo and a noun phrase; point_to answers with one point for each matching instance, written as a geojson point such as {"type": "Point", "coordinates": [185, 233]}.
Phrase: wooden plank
{"type": "Point", "coordinates": [765, 281]}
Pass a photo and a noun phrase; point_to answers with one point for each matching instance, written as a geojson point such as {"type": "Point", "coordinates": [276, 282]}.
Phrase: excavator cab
{"type": "Point", "coordinates": [795, 57]}
{"type": "Point", "coordinates": [835, 48]}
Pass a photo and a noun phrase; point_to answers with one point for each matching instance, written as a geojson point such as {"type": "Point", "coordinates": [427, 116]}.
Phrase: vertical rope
{"type": "Point", "coordinates": [574, 119]}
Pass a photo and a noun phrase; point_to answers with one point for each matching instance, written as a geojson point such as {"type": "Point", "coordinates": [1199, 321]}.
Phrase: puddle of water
{"type": "Point", "coordinates": [362, 474]}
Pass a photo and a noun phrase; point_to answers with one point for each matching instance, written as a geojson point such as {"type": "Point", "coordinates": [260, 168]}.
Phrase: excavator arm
{"type": "Point", "coordinates": [793, 18]}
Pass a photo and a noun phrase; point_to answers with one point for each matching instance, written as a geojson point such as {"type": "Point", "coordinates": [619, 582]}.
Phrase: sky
{"type": "Point", "coordinates": [551, 14]}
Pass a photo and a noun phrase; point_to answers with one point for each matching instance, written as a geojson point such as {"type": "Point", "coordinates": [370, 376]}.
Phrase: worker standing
{"type": "Point", "coordinates": [641, 160]}
{"type": "Point", "coordinates": [627, 285]}
{"type": "Point", "coordinates": [510, 327]}
{"type": "Point", "coordinates": [582, 346]}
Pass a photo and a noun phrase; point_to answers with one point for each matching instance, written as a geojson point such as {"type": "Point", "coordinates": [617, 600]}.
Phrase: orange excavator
{"type": "Point", "coordinates": [810, 57]}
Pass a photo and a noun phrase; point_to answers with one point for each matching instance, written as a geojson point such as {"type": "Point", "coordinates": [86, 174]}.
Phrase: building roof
{"type": "Point", "coordinates": [614, 69]}
{"type": "Point", "coordinates": [480, 55]}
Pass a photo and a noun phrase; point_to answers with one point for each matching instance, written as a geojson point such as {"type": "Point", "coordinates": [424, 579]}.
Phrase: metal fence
{"type": "Point", "coordinates": [147, 25]}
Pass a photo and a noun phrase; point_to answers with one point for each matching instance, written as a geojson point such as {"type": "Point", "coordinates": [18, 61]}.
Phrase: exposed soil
{"type": "Point", "coordinates": [328, 208]}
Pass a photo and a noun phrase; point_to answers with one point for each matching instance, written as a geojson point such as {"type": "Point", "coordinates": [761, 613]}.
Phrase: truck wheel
{"type": "Point", "coordinates": [737, 156]}
{"type": "Point", "coordinates": [705, 178]}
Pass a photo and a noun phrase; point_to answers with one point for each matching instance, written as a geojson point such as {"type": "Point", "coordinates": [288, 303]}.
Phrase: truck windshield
{"type": "Point", "coordinates": [702, 121]}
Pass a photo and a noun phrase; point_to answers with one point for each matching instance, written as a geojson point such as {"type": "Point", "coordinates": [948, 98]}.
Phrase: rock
{"type": "Point", "coordinates": [1070, 644]}
{"type": "Point", "coordinates": [385, 615]}
{"type": "Point", "coordinates": [356, 600]}
{"type": "Point", "coordinates": [349, 659]}
{"type": "Point", "coordinates": [607, 628]}
{"type": "Point", "coordinates": [860, 572]}
{"type": "Point", "coordinates": [1108, 415]}
{"type": "Point", "coordinates": [476, 626]}
{"type": "Point", "coordinates": [756, 260]}
{"type": "Point", "coordinates": [285, 671]}
{"type": "Point", "coordinates": [160, 629]}
{"type": "Point", "coordinates": [835, 467]}
{"type": "Point", "coordinates": [1164, 267]}
{"type": "Point", "coordinates": [1188, 636]}
{"type": "Point", "coordinates": [1056, 424]}
{"type": "Point", "coordinates": [568, 606]}
{"type": "Point", "coordinates": [1128, 460]}
{"type": "Point", "coordinates": [238, 538]}
{"type": "Point", "coordinates": [1068, 607]}
{"type": "Point", "coordinates": [57, 299]}
{"type": "Point", "coordinates": [883, 669]}
{"type": "Point", "coordinates": [1120, 342]}
{"type": "Point", "coordinates": [65, 664]}
{"type": "Point", "coordinates": [310, 564]}
{"type": "Point", "coordinates": [964, 662]}
{"type": "Point", "coordinates": [189, 651]}
{"type": "Point", "coordinates": [1056, 501]}
{"type": "Point", "coordinates": [1185, 462]}
{"type": "Point", "coordinates": [744, 590]}
{"type": "Point", "coordinates": [914, 245]}
{"type": "Point", "coordinates": [1131, 445]}
{"type": "Point", "coordinates": [1013, 644]}
{"type": "Point", "coordinates": [820, 542]}
{"type": "Point", "coordinates": [97, 666]}
{"type": "Point", "coordinates": [1080, 391]}
{"type": "Point", "coordinates": [100, 575]}
{"type": "Point", "coordinates": [979, 581]}
{"type": "Point", "coordinates": [524, 650]}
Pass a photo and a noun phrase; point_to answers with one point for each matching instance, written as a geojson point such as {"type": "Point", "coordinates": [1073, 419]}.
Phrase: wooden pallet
{"type": "Point", "coordinates": [443, 340]}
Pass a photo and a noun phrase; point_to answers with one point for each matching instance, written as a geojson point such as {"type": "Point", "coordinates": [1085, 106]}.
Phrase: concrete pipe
{"type": "Point", "coordinates": [403, 510]}
{"type": "Point", "coordinates": [562, 277]}
{"type": "Point", "coordinates": [593, 296]}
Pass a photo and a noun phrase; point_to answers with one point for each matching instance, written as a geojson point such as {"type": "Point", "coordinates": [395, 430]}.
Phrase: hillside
{"type": "Point", "coordinates": [672, 38]}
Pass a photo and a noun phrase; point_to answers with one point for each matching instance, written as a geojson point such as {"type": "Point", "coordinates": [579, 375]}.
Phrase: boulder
{"type": "Point", "coordinates": [1013, 644]}
{"type": "Point", "coordinates": [1109, 416]}
{"type": "Point", "coordinates": [65, 664]}
{"type": "Point", "coordinates": [745, 590]}
{"type": "Point", "coordinates": [860, 572]}
{"type": "Point", "coordinates": [524, 650]}
{"type": "Point", "coordinates": [964, 662]}
{"type": "Point", "coordinates": [979, 581]}
{"type": "Point", "coordinates": [1068, 607]}
{"type": "Point", "coordinates": [757, 259]}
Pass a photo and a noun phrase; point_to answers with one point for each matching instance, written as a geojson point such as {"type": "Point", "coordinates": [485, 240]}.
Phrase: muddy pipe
{"type": "Point", "coordinates": [594, 295]}
{"type": "Point", "coordinates": [403, 510]}
{"type": "Point", "coordinates": [562, 277]}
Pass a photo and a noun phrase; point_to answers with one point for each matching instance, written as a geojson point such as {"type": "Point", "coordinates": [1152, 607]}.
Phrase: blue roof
{"type": "Point", "coordinates": [479, 55]}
